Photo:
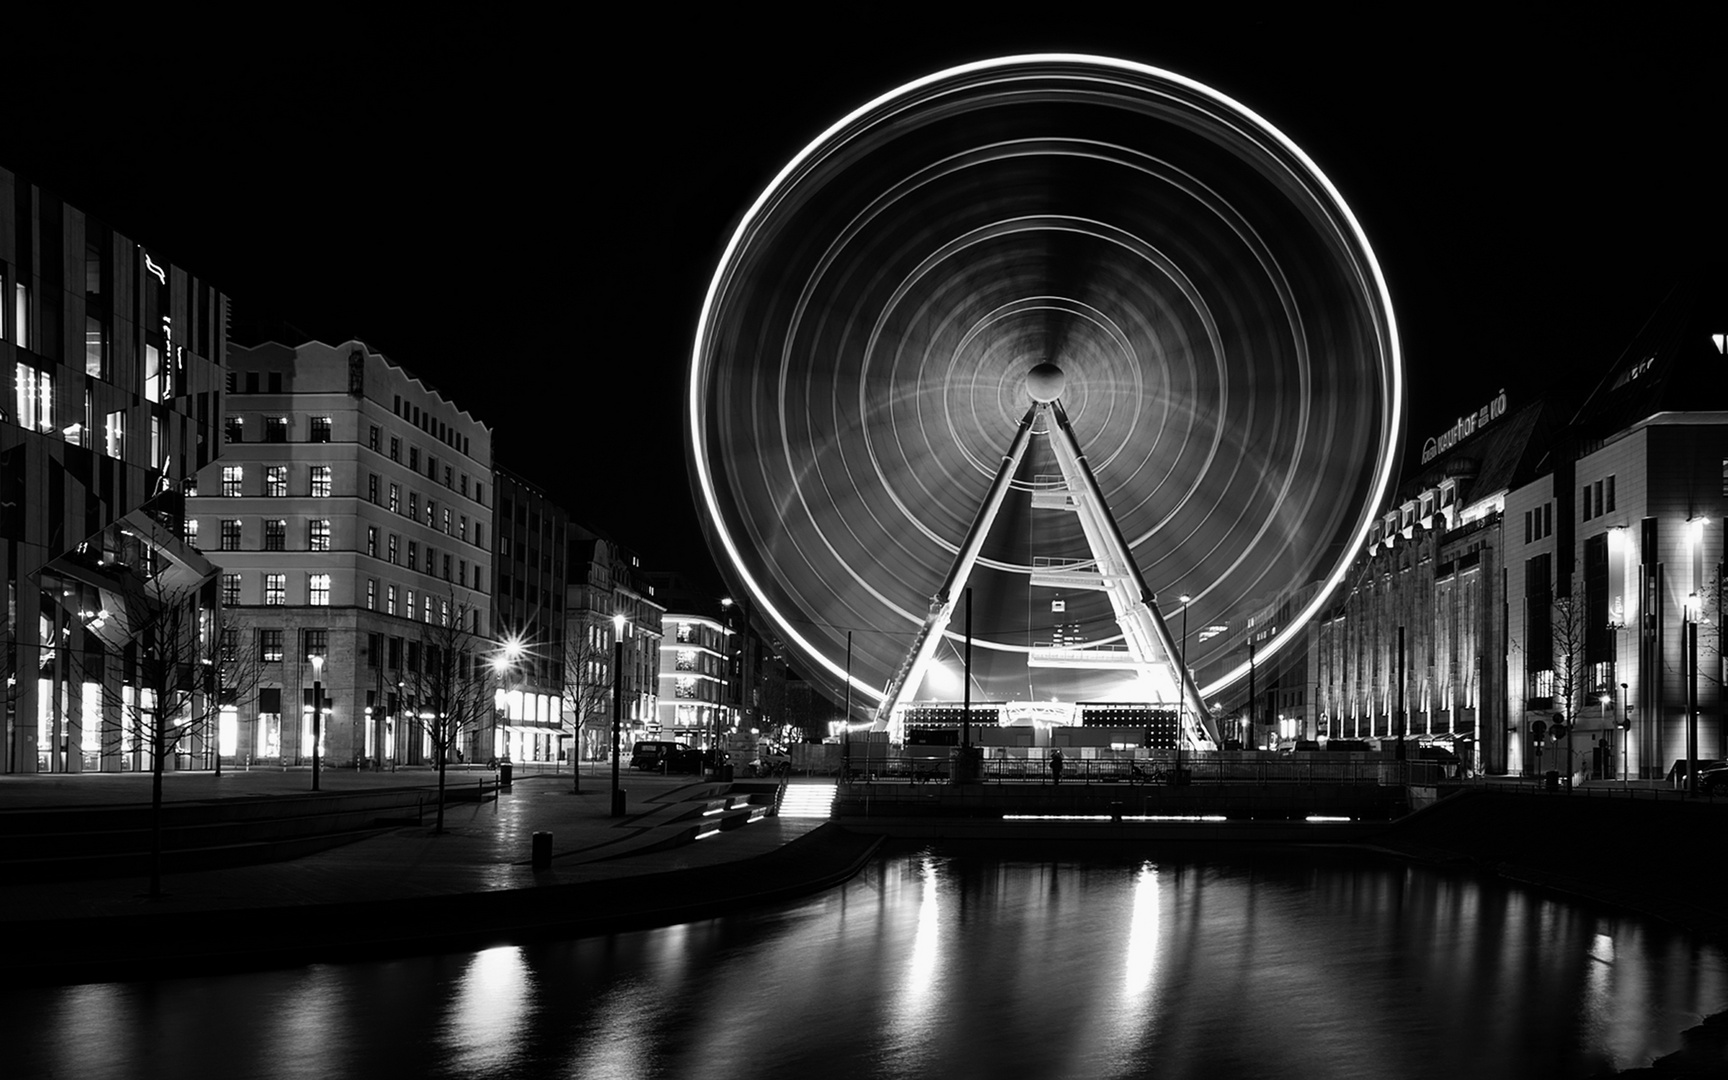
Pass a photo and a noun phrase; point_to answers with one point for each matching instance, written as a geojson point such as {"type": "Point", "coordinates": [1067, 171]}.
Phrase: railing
{"type": "Point", "coordinates": [1196, 768]}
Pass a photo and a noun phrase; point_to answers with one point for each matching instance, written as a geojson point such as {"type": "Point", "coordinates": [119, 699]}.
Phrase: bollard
{"type": "Point", "coordinates": [542, 851]}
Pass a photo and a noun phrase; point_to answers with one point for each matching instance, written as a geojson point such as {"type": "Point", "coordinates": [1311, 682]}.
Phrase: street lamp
{"type": "Point", "coordinates": [720, 706]}
{"type": "Point", "coordinates": [617, 708]}
{"type": "Point", "coordinates": [1182, 688]}
{"type": "Point", "coordinates": [317, 712]}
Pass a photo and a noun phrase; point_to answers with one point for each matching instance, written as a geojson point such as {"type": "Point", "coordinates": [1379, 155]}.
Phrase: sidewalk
{"type": "Point", "coordinates": [408, 887]}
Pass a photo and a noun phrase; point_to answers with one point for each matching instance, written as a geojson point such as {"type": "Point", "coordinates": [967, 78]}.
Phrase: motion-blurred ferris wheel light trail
{"type": "Point", "coordinates": [1158, 285]}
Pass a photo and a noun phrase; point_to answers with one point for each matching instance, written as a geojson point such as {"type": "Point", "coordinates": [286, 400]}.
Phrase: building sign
{"type": "Point", "coordinates": [1636, 371]}
{"type": "Point", "coordinates": [1466, 426]}
{"type": "Point", "coordinates": [1037, 712]}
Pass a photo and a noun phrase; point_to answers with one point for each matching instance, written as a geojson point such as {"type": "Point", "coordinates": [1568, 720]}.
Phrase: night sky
{"type": "Point", "coordinates": [527, 215]}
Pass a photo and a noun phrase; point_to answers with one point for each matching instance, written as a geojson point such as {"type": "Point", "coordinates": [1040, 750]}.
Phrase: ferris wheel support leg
{"type": "Point", "coordinates": [911, 672]}
{"type": "Point", "coordinates": [1135, 605]}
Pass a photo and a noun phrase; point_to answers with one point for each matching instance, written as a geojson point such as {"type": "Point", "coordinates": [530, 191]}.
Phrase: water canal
{"type": "Point", "coordinates": [962, 963]}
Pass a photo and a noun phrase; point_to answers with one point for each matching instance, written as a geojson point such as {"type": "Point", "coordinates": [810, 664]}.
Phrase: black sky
{"type": "Point", "coordinates": [526, 213]}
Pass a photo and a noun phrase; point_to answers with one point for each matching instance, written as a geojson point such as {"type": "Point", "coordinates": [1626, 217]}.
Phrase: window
{"type": "Point", "coordinates": [234, 429]}
{"type": "Point", "coordinates": [479, 534]}
{"type": "Point", "coordinates": [395, 653]}
{"type": "Point", "coordinates": [276, 481]}
{"type": "Point", "coordinates": [275, 535]}
{"type": "Point", "coordinates": [372, 594]}
{"type": "Point", "coordinates": [464, 485]}
{"type": "Point", "coordinates": [1585, 501]}
{"type": "Point", "coordinates": [392, 550]}
{"type": "Point", "coordinates": [449, 477]}
{"type": "Point", "coordinates": [443, 612]}
{"type": "Point", "coordinates": [230, 590]}
{"type": "Point", "coordinates": [35, 398]}
{"type": "Point", "coordinates": [431, 468]}
{"type": "Point", "coordinates": [428, 609]}
{"type": "Point", "coordinates": [372, 541]}
{"type": "Point", "coordinates": [270, 646]}
{"type": "Point", "coordinates": [230, 644]}
{"type": "Point", "coordinates": [431, 560]}
{"type": "Point", "coordinates": [320, 431]}
{"type": "Point", "coordinates": [374, 650]}
{"type": "Point", "coordinates": [414, 458]}
{"type": "Point", "coordinates": [275, 429]}
{"type": "Point", "coordinates": [372, 439]}
{"type": "Point", "coordinates": [192, 531]}
{"type": "Point", "coordinates": [446, 568]}
{"type": "Point", "coordinates": [395, 448]}
{"type": "Point", "coordinates": [275, 590]}
{"type": "Point", "coordinates": [447, 521]}
{"type": "Point", "coordinates": [318, 590]}
{"type": "Point", "coordinates": [114, 436]}
{"type": "Point", "coordinates": [408, 608]}
{"type": "Point", "coordinates": [230, 540]}
{"type": "Point", "coordinates": [462, 570]}
{"type": "Point", "coordinates": [413, 555]}
{"type": "Point", "coordinates": [321, 481]}
{"type": "Point", "coordinates": [413, 506]}
{"type": "Point", "coordinates": [390, 600]}
{"type": "Point", "coordinates": [395, 499]}
{"type": "Point", "coordinates": [1610, 493]}
{"type": "Point", "coordinates": [95, 346]}
{"type": "Point", "coordinates": [462, 531]}
{"type": "Point", "coordinates": [318, 534]}
{"type": "Point", "coordinates": [431, 513]}
{"type": "Point", "coordinates": [480, 493]}
{"type": "Point", "coordinates": [372, 488]}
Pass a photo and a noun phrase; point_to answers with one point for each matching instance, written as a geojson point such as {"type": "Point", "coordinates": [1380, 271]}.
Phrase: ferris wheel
{"type": "Point", "coordinates": [1070, 333]}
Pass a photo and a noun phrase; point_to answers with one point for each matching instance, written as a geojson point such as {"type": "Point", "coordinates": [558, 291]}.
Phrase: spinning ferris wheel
{"type": "Point", "coordinates": [1070, 332]}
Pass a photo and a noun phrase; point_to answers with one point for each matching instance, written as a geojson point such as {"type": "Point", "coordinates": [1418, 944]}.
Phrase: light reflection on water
{"type": "Point", "coordinates": [945, 963]}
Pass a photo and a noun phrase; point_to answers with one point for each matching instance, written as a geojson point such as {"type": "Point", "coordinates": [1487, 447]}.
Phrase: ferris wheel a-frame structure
{"type": "Point", "coordinates": [1151, 652]}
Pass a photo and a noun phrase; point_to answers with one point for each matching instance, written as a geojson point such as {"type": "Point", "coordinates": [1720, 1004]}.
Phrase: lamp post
{"type": "Point", "coordinates": [720, 706]}
{"type": "Point", "coordinates": [1625, 730]}
{"type": "Point", "coordinates": [617, 708]}
{"type": "Point", "coordinates": [1182, 687]}
{"type": "Point", "coordinates": [317, 712]}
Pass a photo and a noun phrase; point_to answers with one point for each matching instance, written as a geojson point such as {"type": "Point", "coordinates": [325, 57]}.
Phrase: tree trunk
{"type": "Point", "coordinates": [156, 805]}
{"type": "Point", "coordinates": [438, 826]}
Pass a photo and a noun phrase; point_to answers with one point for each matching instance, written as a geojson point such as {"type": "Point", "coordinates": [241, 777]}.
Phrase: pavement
{"type": "Point", "coordinates": [408, 887]}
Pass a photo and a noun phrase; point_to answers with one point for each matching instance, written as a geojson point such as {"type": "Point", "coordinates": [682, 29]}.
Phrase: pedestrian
{"type": "Point", "coordinates": [1056, 765]}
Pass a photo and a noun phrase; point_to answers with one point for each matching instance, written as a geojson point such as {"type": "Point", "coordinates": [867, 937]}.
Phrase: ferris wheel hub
{"type": "Point", "coordinates": [1045, 382]}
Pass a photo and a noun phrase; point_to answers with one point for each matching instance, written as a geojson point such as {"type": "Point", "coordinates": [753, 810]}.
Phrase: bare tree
{"type": "Point", "coordinates": [450, 684]}
{"type": "Point", "coordinates": [1568, 628]}
{"type": "Point", "coordinates": [587, 690]}
{"type": "Point", "coordinates": [139, 622]}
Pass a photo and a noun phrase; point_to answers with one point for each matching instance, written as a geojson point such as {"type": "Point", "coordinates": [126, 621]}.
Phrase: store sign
{"type": "Point", "coordinates": [1466, 426]}
{"type": "Point", "coordinates": [1037, 712]}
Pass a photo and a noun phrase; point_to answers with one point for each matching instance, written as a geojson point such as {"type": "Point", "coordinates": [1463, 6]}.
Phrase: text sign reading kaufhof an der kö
{"type": "Point", "coordinates": [1466, 426]}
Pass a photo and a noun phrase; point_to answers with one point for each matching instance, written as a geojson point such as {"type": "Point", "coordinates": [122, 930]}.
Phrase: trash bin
{"type": "Point", "coordinates": [542, 850]}
{"type": "Point", "coordinates": [1551, 782]}
{"type": "Point", "coordinates": [504, 770]}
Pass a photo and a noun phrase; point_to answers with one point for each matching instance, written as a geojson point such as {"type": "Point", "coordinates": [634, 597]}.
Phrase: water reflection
{"type": "Point", "coordinates": [947, 962]}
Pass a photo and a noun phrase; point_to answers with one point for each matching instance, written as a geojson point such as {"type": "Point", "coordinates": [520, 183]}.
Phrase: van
{"type": "Point", "coordinates": [665, 757]}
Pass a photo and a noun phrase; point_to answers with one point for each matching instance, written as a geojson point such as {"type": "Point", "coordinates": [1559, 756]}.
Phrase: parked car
{"type": "Point", "coordinates": [672, 757]}
{"type": "Point", "coordinates": [1715, 781]}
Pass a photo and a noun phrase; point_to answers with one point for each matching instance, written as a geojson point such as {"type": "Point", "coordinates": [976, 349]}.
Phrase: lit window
{"type": "Point", "coordinates": [320, 431]}
{"type": "Point", "coordinates": [275, 589]}
{"type": "Point", "coordinates": [231, 477]}
{"type": "Point", "coordinates": [230, 540]}
{"type": "Point", "coordinates": [371, 594]}
{"type": "Point", "coordinates": [95, 346]}
{"type": "Point", "coordinates": [35, 398]}
{"type": "Point", "coordinates": [431, 513]}
{"type": "Point", "coordinates": [321, 481]}
{"type": "Point", "coordinates": [192, 531]}
{"type": "Point", "coordinates": [413, 506]}
{"type": "Point", "coordinates": [447, 531]}
{"type": "Point", "coordinates": [395, 499]}
{"type": "Point", "coordinates": [230, 589]}
{"type": "Point", "coordinates": [462, 530]}
{"type": "Point", "coordinates": [270, 646]}
{"type": "Point", "coordinates": [413, 555]}
{"type": "Point", "coordinates": [276, 481]}
{"type": "Point", "coordinates": [153, 373]}
{"type": "Point", "coordinates": [21, 315]}
{"type": "Point", "coordinates": [276, 429]}
{"type": "Point", "coordinates": [318, 534]}
{"type": "Point", "coordinates": [390, 600]}
{"type": "Point", "coordinates": [234, 429]}
{"type": "Point", "coordinates": [114, 434]}
{"type": "Point", "coordinates": [392, 549]}
{"type": "Point", "coordinates": [372, 541]}
{"type": "Point", "coordinates": [428, 609]}
{"type": "Point", "coordinates": [409, 607]}
{"type": "Point", "coordinates": [318, 590]}
{"type": "Point", "coordinates": [444, 612]}
{"type": "Point", "coordinates": [275, 535]}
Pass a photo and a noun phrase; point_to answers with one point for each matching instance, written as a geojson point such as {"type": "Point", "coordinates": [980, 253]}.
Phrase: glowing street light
{"type": "Point", "coordinates": [617, 708]}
